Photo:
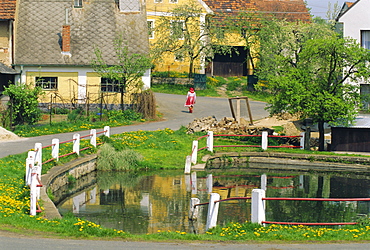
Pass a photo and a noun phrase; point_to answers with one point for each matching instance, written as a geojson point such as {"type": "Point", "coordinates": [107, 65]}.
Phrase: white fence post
{"type": "Point", "coordinates": [107, 131]}
{"type": "Point", "coordinates": [264, 140]}
{"type": "Point", "coordinates": [187, 164]}
{"type": "Point", "coordinates": [194, 211]}
{"type": "Point", "coordinates": [30, 162]}
{"type": "Point", "coordinates": [210, 141]}
{"type": "Point", "coordinates": [93, 137]}
{"type": "Point", "coordinates": [76, 144]}
{"type": "Point", "coordinates": [194, 152]}
{"type": "Point", "coordinates": [258, 206]}
{"type": "Point", "coordinates": [209, 183]}
{"type": "Point", "coordinates": [33, 193]}
{"type": "Point", "coordinates": [212, 210]}
{"type": "Point", "coordinates": [301, 143]}
{"type": "Point", "coordinates": [194, 188]}
{"type": "Point", "coordinates": [55, 149]}
{"type": "Point", "coordinates": [264, 182]}
{"type": "Point", "coordinates": [38, 157]}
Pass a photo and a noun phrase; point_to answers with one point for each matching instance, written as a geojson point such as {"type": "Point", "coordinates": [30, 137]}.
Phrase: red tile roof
{"type": "Point", "coordinates": [7, 9]}
{"type": "Point", "coordinates": [290, 10]}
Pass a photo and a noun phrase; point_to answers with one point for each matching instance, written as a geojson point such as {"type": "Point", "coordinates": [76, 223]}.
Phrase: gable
{"type": "Point", "coordinates": [39, 28]}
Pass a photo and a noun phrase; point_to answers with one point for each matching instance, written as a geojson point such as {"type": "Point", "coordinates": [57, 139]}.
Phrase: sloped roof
{"type": "Point", "coordinates": [6, 70]}
{"type": "Point", "coordinates": [345, 7]}
{"type": "Point", "coordinates": [7, 9]}
{"type": "Point", "coordinates": [290, 10]}
{"type": "Point", "coordinates": [97, 24]}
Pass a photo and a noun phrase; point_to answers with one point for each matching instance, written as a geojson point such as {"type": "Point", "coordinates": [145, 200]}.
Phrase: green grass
{"type": "Point", "coordinates": [160, 149]}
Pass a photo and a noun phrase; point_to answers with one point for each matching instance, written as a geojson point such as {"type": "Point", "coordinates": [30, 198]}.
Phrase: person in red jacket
{"type": "Point", "coordinates": [190, 99]}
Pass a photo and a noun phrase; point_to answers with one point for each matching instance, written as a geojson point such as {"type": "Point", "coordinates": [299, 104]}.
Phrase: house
{"type": "Point", "coordinates": [55, 43]}
{"type": "Point", "coordinates": [355, 23]}
{"type": "Point", "coordinates": [242, 62]}
{"type": "Point", "coordinates": [7, 15]}
{"type": "Point", "coordinates": [239, 63]}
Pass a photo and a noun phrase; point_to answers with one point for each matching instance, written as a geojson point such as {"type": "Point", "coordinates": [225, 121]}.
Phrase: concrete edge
{"type": "Point", "coordinates": [50, 210]}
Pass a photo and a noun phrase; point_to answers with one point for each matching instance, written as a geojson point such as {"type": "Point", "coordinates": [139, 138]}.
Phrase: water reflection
{"type": "Point", "coordinates": [146, 203]}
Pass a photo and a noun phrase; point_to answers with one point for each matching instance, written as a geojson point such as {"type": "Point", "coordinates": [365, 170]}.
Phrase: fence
{"type": "Point", "coordinates": [192, 158]}
{"type": "Point", "coordinates": [34, 162]}
{"type": "Point", "coordinates": [258, 208]}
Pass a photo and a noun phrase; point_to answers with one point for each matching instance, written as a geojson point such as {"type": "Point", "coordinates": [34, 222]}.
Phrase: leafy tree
{"type": "Point", "coordinates": [24, 103]}
{"type": "Point", "coordinates": [128, 70]}
{"type": "Point", "coordinates": [308, 69]}
{"type": "Point", "coordinates": [184, 35]}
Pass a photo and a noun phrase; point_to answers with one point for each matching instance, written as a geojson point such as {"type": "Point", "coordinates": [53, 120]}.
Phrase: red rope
{"type": "Point", "coordinates": [311, 223]}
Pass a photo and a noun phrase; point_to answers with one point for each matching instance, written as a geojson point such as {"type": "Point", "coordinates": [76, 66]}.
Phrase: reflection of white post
{"type": "Point", "coordinates": [301, 181]}
{"type": "Point", "coordinates": [302, 140]}
{"type": "Point", "coordinates": [258, 206]}
{"type": "Point", "coordinates": [264, 140]}
{"type": "Point", "coordinates": [194, 189]}
{"type": "Point", "coordinates": [194, 211]}
{"type": "Point", "coordinates": [76, 143]}
{"type": "Point", "coordinates": [263, 182]}
{"type": "Point", "coordinates": [209, 183]}
{"type": "Point", "coordinates": [55, 149]}
{"type": "Point", "coordinates": [210, 141]}
{"type": "Point", "coordinates": [93, 137]}
{"type": "Point", "coordinates": [212, 210]}
{"type": "Point", "coordinates": [107, 131]}
{"type": "Point", "coordinates": [93, 196]}
{"type": "Point", "coordinates": [187, 183]}
{"type": "Point", "coordinates": [194, 152]}
{"type": "Point", "coordinates": [187, 164]}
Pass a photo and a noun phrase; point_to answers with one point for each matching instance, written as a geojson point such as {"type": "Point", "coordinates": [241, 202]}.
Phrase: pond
{"type": "Point", "coordinates": [151, 201]}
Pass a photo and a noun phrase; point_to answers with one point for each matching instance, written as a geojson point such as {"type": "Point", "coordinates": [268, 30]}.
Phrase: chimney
{"type": "Point", "coordinates": [66, 39]}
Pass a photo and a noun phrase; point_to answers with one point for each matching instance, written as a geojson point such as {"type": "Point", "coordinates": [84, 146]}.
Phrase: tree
{"type": "Point", "coordinates": [308, 69]}
{"type": "Point", "coordinates": [24, 103]}
{"type": "Point", "coordinates": [185, 34]}
{"type": "Point", "coordinates": [128, 70]}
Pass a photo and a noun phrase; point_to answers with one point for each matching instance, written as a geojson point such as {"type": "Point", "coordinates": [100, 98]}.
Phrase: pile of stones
{"type": "Point", "coordinates": [227, 125]}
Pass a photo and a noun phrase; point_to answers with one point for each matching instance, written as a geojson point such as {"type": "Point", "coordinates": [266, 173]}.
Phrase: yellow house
{"type": "Point", "coordinates": [241, 61]}
{"type": "Point", "coordinates": [55, 45]}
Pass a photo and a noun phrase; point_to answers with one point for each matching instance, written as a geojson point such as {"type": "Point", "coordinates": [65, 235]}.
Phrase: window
{"type": "Point", "coordinates": [158, 1]}
{"type": "Point", "coordinates": [77, 3]}
{"type": "Point", "coordinates": [173, 1]}
{"type": "Point", "coordinates": [177, 29]}
{"type": "Point", "coordinates": [179, 57]}
{"type": "Point", "coordinates": [47, 83]}
{"type": "Point", "coordinates": [365, 39]}
{"type": "Point", "coordinates": [129, 5]}
{"type": "Point", "coordinates": [151, 28]}
{"type": "Point", "coordinates": [109, 85]}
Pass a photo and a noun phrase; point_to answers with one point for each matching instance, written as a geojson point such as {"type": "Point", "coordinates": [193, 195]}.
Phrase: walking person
{"type": "Point", "coordinates": [190, 99]}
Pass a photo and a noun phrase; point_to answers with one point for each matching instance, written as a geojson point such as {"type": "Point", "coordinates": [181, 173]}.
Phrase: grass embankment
{"type": "Point", "coordinates": [159, 149]}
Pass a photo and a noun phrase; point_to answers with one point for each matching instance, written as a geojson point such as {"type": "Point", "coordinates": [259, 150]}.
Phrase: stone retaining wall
{"type": "Point", "coordinates": [57, 177]}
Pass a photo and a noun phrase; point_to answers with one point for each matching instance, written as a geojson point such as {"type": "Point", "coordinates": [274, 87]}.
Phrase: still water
{"type": "Point", "coordinates": [152, 201]}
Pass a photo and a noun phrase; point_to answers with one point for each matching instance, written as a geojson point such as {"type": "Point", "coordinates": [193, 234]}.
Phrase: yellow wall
{"type": "Point", "coordinates": [67, 91]}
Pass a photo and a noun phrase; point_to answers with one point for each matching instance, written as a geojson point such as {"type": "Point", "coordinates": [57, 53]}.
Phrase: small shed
{"type": "Point", "coordinates": [355, 138]}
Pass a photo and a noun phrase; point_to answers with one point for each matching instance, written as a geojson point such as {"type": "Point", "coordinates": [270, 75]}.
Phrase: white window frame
{"type": "Point", "coordinates": [365, 43]}
{"type": "Point", "coordinates": [151, 32]}
{"type": "Point", "coordinates": [47, 82]}
{"type": "Point", "coordinates": [77, 3]}
{"type": "Point", "coordinates": [158, 1]}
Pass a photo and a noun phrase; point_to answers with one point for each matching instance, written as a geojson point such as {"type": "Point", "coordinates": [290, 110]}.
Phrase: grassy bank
{"type": "Point", "coordinates": [162, 149]}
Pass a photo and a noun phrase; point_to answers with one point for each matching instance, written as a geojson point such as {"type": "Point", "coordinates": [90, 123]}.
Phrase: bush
{"type": "Point", "coordinates": [110, 159]}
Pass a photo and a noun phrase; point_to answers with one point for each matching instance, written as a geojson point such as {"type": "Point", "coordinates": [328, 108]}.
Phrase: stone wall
{"type": "Point", "coordinates": [59, 176]}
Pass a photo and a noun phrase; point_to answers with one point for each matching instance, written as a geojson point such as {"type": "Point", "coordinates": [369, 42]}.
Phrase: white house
{"type": "Point", "coordinates": [355, 20]}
